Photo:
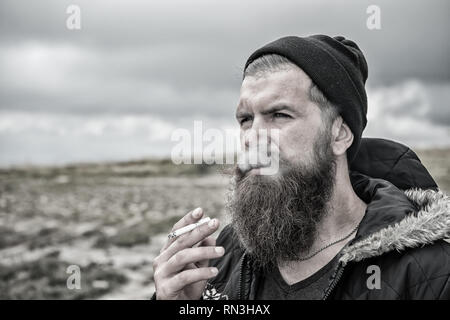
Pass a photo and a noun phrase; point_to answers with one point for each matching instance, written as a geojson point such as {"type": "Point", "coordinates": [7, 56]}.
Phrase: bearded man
{"type": "Point", "coordinates": [344, 217]}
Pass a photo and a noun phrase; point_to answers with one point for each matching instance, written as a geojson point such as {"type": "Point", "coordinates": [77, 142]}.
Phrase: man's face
{"type": "Point", "coordinates": [280, 100]}
{"type": "Point", "coordinates": [276, 219]}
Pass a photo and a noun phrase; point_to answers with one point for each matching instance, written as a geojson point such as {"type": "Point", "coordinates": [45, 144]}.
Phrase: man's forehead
{"type": "Point", "coordinates": [251, 97]}
{"type": "Point", "coordinates": [274, 87]}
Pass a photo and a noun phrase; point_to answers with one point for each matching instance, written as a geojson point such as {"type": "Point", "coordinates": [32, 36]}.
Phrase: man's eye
{"type": "Point", "coordinates": [281, 115]}
{"type": "Point", "coordinates": [243, 120]}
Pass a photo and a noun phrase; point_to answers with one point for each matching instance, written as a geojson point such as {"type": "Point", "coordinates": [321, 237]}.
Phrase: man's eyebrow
{"type": "Point", "coordinates": [242, 114]}
{"type": "Point", "coordinates": [279, 107]}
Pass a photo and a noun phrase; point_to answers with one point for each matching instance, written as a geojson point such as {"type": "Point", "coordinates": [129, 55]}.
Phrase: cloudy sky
{"type": "Point", "coordinates": [137, 70]}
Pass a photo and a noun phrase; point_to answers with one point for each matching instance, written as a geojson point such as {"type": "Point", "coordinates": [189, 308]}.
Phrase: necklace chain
{"type": "Point", "coordinates": [329, 245]}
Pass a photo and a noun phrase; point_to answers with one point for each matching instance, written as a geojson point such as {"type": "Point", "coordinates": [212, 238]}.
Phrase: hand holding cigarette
{"type": "Point", "coordinates": [187, 228]}
{"type": "Point", "coordinates": [181, 269]}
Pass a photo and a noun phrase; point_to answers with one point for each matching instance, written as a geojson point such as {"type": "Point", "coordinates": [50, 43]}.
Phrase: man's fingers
{"type": "Point", "coordinates": [208, 242]}
{"type": "Point", "coordinates": [189, 239]}
{"type": "Point", "coordinates": [191, 255]}
{"type": "Point", "coordinates": [191, 217]}
{"type": "Point", "coordinates": [191, 276]}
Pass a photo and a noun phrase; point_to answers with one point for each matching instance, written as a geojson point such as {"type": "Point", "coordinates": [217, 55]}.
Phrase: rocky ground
{"type": "Point", "coordinates": [110, 220]}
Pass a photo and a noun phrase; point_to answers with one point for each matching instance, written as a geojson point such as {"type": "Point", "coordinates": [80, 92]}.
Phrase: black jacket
{"type": "Point", "coordinates": [402, 233]}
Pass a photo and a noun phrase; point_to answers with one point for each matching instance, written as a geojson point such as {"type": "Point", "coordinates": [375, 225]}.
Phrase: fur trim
{"type": "Point", "coordinates": [431, 223]}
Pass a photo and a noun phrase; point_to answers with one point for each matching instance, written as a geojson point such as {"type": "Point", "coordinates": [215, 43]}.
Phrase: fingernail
{"type": "Point", "coordinates": [212, 223]}
{"type": "Point", "coordinates": [214, 270]}
{"type": "Point", "coordinates": [219, 250]}
{"type": "Point", "coordinates": [197, 212]}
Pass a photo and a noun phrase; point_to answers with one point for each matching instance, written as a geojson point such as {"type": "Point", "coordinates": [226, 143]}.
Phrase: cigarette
{"type": "Point", "coordinates": [187, 228]}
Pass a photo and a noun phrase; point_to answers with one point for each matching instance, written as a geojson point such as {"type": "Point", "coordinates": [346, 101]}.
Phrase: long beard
{"type": "Point", "coordinates": [276, 217]}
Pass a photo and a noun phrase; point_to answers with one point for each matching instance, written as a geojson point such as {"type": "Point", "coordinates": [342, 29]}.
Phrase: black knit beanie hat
{"type": "Point", "coordinates": [337, 66]}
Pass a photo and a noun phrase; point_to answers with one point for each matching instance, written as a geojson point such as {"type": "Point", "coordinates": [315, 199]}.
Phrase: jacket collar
{"type": "Point", "coordinates": [396, 220]}
{"type": "Point", "coordinates": [386, 204]}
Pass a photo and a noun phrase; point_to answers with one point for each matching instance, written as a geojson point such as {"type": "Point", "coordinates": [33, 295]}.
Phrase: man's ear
{"type": "Point", "coordinates": [342, 136]}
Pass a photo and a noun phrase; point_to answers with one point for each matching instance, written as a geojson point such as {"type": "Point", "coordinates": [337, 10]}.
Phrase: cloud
{"type": "Point", "coordinates": [27, 137]}
{"type": "Point", "coordinates": [226, 32]}
{"type": "Point", "coordinates": [67, 79]}
{"type": "Point", "coordinates": [139, 69]}
{"type": "Point", "coordinates": [127, 126]}
{"type": "Point", "coordinates": [412, 112]}
{"type": "Point", "coordinates": [55, 138]}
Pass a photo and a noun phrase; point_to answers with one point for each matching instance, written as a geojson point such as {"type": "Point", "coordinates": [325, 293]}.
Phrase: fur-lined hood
{"type": "Point", "coordinates": [431, 222]}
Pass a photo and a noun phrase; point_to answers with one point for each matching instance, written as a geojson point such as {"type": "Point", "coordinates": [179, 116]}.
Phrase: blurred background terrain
{"type": "Point", "coordinates": [109, 219]}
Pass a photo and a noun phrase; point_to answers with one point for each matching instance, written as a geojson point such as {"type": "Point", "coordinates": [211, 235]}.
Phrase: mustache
{"type": "Point", "coordinates": [259, 156]}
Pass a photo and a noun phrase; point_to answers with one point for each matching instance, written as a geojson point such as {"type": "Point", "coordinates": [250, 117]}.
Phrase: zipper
{"type": "Point", "coordinates": [241, 276]}
{"type": "Point", "coordinates": [340, 270]}
{"type": "Point", "coordinates": [335, 282]}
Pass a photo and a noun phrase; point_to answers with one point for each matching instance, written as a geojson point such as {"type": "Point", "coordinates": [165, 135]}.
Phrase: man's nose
{"type": "Point", "coordinates": [258, 133]}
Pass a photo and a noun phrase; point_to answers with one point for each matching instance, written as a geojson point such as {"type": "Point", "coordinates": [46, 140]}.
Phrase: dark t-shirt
{"type": "Point", "coordinates": [273, 286]}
